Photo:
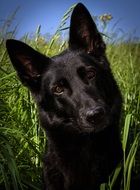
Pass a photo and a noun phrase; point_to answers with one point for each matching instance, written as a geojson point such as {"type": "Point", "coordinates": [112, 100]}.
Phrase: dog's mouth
{"type": "Point", "coordinates": [83, 126]}
{"type": "Point", "coordinates": [94, 128]}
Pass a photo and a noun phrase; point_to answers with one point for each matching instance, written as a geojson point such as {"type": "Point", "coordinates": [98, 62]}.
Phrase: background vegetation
{"type": "Point", "coordinates": [22, 141]}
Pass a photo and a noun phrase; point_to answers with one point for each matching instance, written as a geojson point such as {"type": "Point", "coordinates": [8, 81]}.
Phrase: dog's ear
{"type": "Point", "coordinates": [83, 32]}
{"type": "Point", "coordinates": [28, 63]}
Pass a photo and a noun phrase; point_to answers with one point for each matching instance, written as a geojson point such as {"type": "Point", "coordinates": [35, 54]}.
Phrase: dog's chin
{"type": "Point", "coordinates": [93, 129]}
{"type": "Point", "coordinates": [85, 127]}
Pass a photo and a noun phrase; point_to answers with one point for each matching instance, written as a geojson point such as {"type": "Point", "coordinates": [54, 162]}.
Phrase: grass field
{"type": "Point", "coordinates": [22, 141]}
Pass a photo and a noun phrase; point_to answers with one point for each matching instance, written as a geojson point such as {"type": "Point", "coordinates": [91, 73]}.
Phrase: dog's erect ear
{"type": "Point", "coordinates": [83, 32]}
{"type": "Point", "coordinates": [28, 63]}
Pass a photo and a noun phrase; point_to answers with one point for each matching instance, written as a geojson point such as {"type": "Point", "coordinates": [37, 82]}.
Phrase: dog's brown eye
{"type": "Point", "coordinates": [57, 90]}
{"type": "Point", "coordinates": [91, 74]}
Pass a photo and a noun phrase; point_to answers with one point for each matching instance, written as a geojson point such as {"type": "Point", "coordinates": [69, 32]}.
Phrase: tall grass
{"type": "Point", "coordinates": [124, 58]}
{"type": "Point", "coordinates": [22, 141]}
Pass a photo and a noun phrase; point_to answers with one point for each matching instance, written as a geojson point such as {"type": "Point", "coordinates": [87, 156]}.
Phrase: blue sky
{"type": "Point", "coordinates": [48, 13]}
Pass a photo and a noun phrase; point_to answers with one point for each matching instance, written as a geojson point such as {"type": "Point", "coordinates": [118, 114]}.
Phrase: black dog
{"type": "Point", "coordinates": [79, 105]}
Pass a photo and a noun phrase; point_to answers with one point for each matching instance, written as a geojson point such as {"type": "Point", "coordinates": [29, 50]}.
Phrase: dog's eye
{"type": "Point", "coordinates": [91, 74]}
{"type": "Point", "coordinates": [57, 90]}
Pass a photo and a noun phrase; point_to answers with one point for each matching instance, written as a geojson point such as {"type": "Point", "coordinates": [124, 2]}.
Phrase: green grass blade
{"type": "Point", "coordinates": [115, 176]}
{"type": "Point", "coordinates": [126, 130]}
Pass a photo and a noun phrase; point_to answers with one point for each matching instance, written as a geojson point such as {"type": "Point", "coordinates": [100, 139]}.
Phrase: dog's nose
{"type": "Point", "coordinates": [95, 115]}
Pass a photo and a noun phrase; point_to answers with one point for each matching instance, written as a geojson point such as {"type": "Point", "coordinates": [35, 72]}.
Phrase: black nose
{"type": "Point", "coordinates": [95, 115]}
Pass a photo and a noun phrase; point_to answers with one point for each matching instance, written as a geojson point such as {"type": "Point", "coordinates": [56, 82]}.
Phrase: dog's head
{"type": "Point", "coordinates": [75, 89]}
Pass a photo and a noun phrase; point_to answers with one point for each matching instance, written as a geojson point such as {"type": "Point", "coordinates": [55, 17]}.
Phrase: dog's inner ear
{"type": "Point", "coordinates": [83, 32]}
{"type": "Point", "coordinates": [28, 63]}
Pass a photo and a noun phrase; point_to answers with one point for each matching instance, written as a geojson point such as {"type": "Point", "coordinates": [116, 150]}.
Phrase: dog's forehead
{"type": "Point", "coordinates": [71, 61]}
{"type": "Point", "coordinates": [67, 60]}
{"type": "Point", "coordinates": [66, 65]}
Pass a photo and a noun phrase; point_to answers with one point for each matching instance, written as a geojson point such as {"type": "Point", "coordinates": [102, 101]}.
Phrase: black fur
{"type": "Point", "coordinates": [79, 106]}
